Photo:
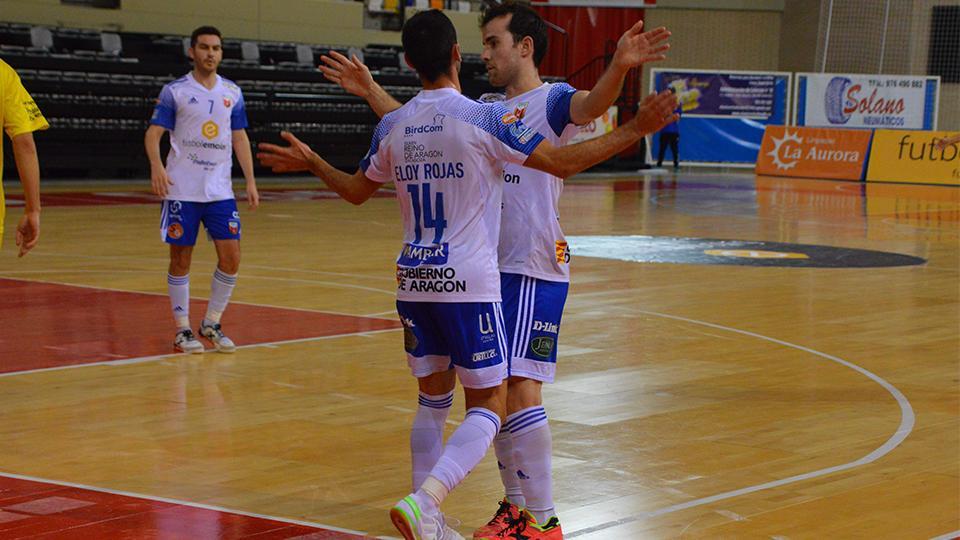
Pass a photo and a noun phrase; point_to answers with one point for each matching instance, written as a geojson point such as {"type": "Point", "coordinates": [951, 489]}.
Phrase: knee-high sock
{"type": "Point", "coordinates": [532, 448]}
{"type": "Point", "coordinates": [506, 461]}
{"type": "Point", "coordinates": [178, 287]}
{"type": "Point", "coordinates": [426, 436]}
{"type": "Point", "coordinates": [220, 290]}
{"type": "Point", "coordinates": [464, 449]}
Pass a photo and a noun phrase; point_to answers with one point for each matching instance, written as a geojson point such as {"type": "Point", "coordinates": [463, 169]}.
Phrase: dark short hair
{"type": "Point", "coordinates": [428, 39]}
{"type": "Point", "coordinates": [204, 31]}
{"type": "Point", "coordinates": [525, 22]}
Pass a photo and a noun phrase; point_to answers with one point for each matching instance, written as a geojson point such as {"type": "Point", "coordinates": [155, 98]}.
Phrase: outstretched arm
{"type": "Point", "coordinates": [299, 157]}
{"type": "Point", "coordinates": [635, 48]}
{"type": "Point", "coordinates": [656, 111]}
{"type": "Point", "coordinates": [353, 76]}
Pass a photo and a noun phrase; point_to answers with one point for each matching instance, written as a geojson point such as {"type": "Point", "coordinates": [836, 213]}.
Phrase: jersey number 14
{"type": "Point", "coordinates": [430, 209]}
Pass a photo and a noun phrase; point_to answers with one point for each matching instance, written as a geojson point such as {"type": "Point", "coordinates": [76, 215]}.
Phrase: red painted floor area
{"type": "Point", "coordinates": [112, 198]}
{"type": "Point", "coordinates": [39, 510]}
{"type": "Point", "coordinates": [48, 325]}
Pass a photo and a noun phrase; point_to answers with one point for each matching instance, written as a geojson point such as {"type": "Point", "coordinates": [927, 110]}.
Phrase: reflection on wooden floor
{"type": "Point", "coordinates": [692, 401]}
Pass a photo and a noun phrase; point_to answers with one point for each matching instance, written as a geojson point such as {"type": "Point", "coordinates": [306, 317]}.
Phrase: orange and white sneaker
{"type": "Point", "coordinates": [507, 516]}
{"type": "Point", "coordinates": [527, 528]}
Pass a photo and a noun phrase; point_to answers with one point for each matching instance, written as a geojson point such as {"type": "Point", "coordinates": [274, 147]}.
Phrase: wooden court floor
{"type": "Point", "coordinates": [693, 400]}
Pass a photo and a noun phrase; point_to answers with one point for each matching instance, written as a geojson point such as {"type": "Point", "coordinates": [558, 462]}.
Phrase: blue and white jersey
{"type": "Point", "coordinates": [445, 153]}
{"type": "Point", "coordinates": [531, 241]}
{"type": "Point", "coordinates": [201, 123]}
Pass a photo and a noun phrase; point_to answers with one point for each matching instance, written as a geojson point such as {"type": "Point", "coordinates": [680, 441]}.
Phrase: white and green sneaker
{"type": "Point", "coordinates": [413, 524]}
{"type": "Point", "coordinates": [215, 335]}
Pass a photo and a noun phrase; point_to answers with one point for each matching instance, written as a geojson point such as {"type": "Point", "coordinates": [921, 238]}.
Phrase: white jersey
{"type": "Point", "coordinates": [531, 241]}
{"type": "Point", "coordinates": [445, 153]}
{"type": "Point", "coordinates": [201, 123]}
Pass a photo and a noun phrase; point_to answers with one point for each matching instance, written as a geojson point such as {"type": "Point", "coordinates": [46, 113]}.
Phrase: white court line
{"type": "Point", "coordinates": [246, 276]}
{"type": "Point", "coordinates": [144, 359]}
{"type": "Point", "coordinates": [907, 420]}
{"type": "Point", "coordinates": [245, 265]}
{"type": "Point", "coordinates": [149, 293]}
{"type": "Point", "coordinates": [181, 503]}
{"type": "Point", "coordinates": [949, 536]}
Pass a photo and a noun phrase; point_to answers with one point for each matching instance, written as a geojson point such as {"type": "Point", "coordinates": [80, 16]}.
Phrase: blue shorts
{"type": "Point", "coordinates": [180, 221]}
{"type": "Point", "coordinates": [531, 310]}
{"type": "Point", "coordinates": [466, 336]}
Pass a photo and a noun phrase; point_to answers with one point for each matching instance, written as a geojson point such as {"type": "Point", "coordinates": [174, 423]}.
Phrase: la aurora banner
{"type": "Point", "coordinates": [866, 101]}
{"type": "Point", "coordinates": [813, 152]}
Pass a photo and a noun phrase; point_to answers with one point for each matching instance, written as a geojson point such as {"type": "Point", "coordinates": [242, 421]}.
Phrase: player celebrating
{"type": "Point", "coordinates": [20, 117]}
{"type": "Point", "coordinates": [206, 118]}
{"type": "Point", "coordinates": [533, 255]}
{"type": "Point", "coordinates": [445, 152]}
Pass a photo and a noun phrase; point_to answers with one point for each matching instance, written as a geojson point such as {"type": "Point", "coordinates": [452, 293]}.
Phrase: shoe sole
{"type": "Point", "coordinates": [402, 525]}
{"type": "Point", "coordinates": [192, 351]}
{"type": "Point", "coordinates": [225, 350]}
{"type": "Point", "coordinates": [218, 348]}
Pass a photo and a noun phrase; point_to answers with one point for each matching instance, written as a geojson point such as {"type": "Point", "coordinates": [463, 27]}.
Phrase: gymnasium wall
{"type": "Point", "coordinates": [718, 39]}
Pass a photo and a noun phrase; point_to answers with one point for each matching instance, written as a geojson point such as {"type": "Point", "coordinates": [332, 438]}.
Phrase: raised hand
{"type": "Point", "coordinates": [656, 111]}
{"type": "Point", "coordinates": [350, 73]}
{"type": "Point", "coordinates": [285, 159]}
{"type": "Point", "coordinates": [637, 47]}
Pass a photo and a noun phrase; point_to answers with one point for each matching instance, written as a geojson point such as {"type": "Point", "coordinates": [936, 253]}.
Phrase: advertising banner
{"type": "Point", "coordinates": [813, 152]}
{"type": "Point", "coordinates": [866, 101]}
{"type": "Point", "coordinates": [724, 113]}
{"type": "Point", "coordinates": [597, 126]}
{"type": "Point", "coordinates": [912, 157]}
{"type": "Point", "coordinates": [706, 94]}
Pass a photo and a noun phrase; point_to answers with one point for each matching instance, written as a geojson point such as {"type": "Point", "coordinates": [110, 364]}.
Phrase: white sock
{"type": "Point", "coordinates": [426, 436]}
{"type": "Point", "coordinates": [503, 447]}
{"type": "Point", "coordinates": [178, 287]}
{"type": "Point", "coordinates": [220, 290]}
{"type": "Point", "coordinates": [532, 449]}
{"type": "Point", "coordinates": [465, 448]}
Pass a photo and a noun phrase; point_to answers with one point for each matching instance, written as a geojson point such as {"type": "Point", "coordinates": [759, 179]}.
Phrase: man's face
{"type": "Point", "coordinates": [500, 54]}
{"type": "Point", "coordinates": [207, 53]}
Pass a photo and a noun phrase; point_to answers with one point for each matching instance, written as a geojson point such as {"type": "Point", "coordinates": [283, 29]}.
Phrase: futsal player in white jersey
{"type": "Point", "coordinates": [533, 254]}
{"type": "Point", "coordinates": [206, 118]}
{"type": "Point", "coordinates": [444, 152]}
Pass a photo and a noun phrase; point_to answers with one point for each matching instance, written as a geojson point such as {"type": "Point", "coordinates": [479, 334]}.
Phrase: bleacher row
{"type": "Point", "coordinates": [98, 89]}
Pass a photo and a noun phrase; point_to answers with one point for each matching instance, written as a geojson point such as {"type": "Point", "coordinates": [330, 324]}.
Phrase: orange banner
{"type": "Point", "coordinates": [813, 152]}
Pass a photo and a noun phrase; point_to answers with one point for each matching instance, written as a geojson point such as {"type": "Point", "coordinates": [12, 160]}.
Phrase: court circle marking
{"type": "Point", "coordinates": [907, 421]}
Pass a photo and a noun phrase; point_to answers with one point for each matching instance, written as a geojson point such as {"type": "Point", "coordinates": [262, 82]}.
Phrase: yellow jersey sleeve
{"type": "Point", "coordinates": [20, 113]}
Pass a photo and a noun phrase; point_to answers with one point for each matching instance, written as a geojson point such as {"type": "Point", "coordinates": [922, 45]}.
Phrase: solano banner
{"type": "Point", "coordinates": [866, 101]}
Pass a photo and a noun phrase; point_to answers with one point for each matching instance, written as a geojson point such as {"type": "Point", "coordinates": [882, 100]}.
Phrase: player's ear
{"type": "Point", "coordinates": [407, 60]}
{"type": "Point", "coordinates": [526, 46]}
{"type": "Point", "coordinates": [455, 56]}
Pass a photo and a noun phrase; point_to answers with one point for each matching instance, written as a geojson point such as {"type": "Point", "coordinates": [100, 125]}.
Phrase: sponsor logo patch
{"type": "Point", "coordinates": [210, 130]}
{"type": "Point", "coordinates": [542, 346]}
{"type": "Point", "coordinates": [563, 252]}
{"type": "Point", "coordinates": [175, 231]}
